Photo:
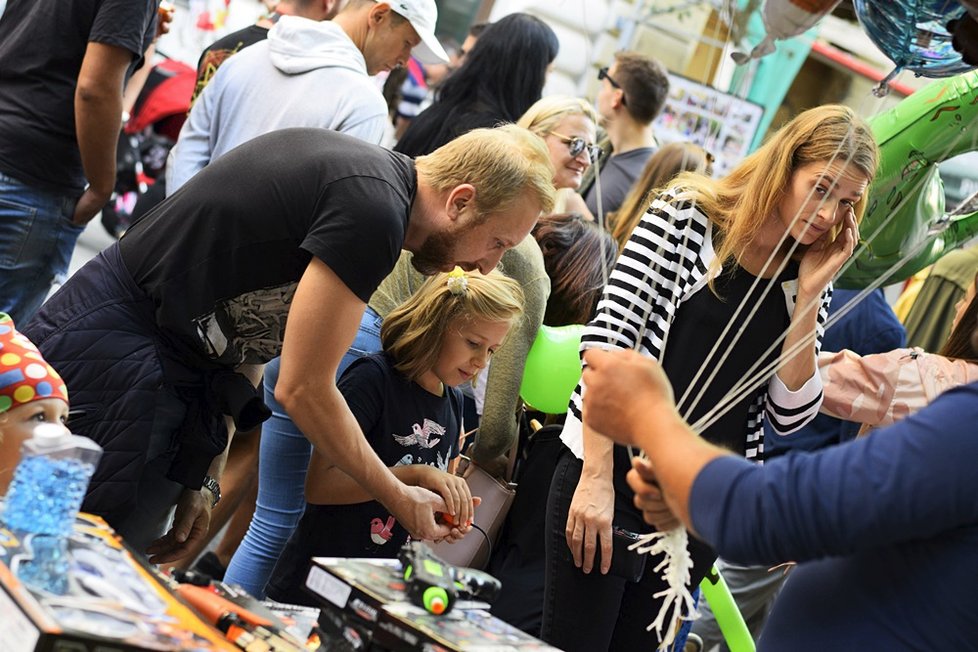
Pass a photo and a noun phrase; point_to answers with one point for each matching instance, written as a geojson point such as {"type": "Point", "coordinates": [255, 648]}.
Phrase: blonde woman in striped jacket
{"type": "Point", "coordinates": [785, 219]}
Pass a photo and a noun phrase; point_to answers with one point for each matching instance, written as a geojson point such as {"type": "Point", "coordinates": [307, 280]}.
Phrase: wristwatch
{"type": "Point", "coordinates": [212, 486]}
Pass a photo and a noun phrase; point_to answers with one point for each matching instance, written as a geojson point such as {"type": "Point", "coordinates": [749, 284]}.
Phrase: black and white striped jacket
{"type": "Point", "coordinates": [665, 262]}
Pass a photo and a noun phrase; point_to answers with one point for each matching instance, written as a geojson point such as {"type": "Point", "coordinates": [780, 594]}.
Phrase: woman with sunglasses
{"type": "Point", "coordinates": [567, 125]}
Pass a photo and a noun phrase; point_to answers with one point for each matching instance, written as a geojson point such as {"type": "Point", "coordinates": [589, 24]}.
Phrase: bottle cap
{"type": "Point", "coordinates": [50, 434]}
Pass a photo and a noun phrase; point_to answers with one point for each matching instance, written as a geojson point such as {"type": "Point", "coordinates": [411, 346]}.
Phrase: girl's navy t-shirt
{"type": "Point", "coordinates": [405, 424]}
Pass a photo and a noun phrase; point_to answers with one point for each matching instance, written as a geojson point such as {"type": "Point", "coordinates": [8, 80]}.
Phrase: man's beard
{"type": "Point", "coordinates": [437, 253]}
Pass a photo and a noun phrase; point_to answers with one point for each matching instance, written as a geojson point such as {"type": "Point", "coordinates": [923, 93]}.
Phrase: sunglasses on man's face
{"type": "Point", "coordinates": [603, 74]}
{"type": "Point", "coordinates": [576, 145]}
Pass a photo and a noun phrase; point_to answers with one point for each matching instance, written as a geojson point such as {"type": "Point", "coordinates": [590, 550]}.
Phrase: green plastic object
{"type": "Point", "coordinates": [553, 368]}
{"type": "Point", "coordinates": [905, 211]}
{"type": "Point", "coordinates": [728, 617]}
{"type": "Point", "coordinates": [435, 600]}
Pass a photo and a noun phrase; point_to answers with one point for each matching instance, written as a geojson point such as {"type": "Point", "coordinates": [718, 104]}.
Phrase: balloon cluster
{"type": "Point", "coordinates": [914, 35]}
{"type": "Point", "coordinates": [905, 211]}
{"type": "Point", "coordinates": [784, 19]}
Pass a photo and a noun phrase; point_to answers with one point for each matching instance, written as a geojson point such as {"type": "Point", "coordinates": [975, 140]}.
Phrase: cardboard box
{"type": "Point", "coordinates": [114, 601]}
{"type": "Point", "coordinates": [368, 597]}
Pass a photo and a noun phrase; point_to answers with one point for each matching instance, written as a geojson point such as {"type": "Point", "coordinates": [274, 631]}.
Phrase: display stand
{"type": "Point", "coordinates": [365, 607]}
{"type": "Point", "coordinates": [112, 600]}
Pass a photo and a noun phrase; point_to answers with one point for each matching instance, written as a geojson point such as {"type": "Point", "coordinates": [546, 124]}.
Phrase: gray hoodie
{"type": "Point", "coordinates": [306, 74]}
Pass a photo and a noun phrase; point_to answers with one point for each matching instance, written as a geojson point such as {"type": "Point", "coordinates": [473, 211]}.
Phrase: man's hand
{"type": "Point", "coordinates": [649, 497]}
{"type": "Point", "coordinates": [454, 490]}
{"type": "Point", "coordinates": [589, 522]}
{"type": "Point", "coordinates": [625, 390]}
{"type": "Point", "coordinates": [88, 206]}
{"type": "Point", "coordinates": [415, 510]}
{"type": "Point", "coordinates": [164, 17]}
{"type": "Point", "coordinates": [191, 522]}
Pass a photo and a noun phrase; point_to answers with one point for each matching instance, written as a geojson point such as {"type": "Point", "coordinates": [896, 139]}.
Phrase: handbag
{"type": "Point", "coordinates": [475, 548]}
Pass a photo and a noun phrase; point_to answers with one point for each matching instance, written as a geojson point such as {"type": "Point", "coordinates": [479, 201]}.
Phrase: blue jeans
{"type": "Point", "coordinates": [37, 237]}
{"type": "Point", "coordinates": [283, 459]}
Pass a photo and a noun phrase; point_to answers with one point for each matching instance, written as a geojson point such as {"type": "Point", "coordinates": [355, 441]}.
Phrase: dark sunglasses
{"type": "Point", "coordinates": [576, 145]}
{"type": "Point", "coordinates": [603, 74]}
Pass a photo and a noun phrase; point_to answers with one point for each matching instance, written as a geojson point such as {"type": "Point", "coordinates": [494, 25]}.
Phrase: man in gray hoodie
{"type": "Point", "coordinates": [306, 74]}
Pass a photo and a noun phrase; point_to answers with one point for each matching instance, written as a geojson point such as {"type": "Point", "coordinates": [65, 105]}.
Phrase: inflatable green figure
{"type": "Point", "coordinates": [906, 210]}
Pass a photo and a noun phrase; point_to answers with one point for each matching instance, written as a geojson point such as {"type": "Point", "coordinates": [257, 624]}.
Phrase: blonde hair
{"type": "Point", "coordinates": [742, 201]}
{"type": "Point", "coordinates": [545, 114]}
{"type": "Point", "coordinates": [501, 163]}
{"type": "Point", "coordinates": [661, 168]}
{"type": "Point", "coordinates": [412, 333]}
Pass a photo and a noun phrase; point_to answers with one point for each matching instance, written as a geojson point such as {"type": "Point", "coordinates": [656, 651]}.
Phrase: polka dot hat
{"type": "Point", "coordinates": [24, 375]}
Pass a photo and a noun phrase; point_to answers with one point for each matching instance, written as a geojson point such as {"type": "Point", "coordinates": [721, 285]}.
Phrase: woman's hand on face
{"type": "Point", "coordinates": [823, 259]}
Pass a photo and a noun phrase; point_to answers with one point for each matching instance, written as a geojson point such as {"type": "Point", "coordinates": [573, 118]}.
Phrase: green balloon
{"type": "Point", "coordinates": [553, 368]}
{"type": "Point", "coordinates": [906, 196]}
{"type": "Point", "coordinates": [728, 617]}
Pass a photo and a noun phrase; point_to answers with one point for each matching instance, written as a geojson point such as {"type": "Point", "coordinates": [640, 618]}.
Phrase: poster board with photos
{"type": "Point", "coordinates": [721, 123]}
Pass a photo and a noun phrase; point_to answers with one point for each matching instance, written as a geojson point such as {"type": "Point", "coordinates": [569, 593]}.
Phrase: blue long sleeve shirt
{"type": "Point", "coordinates": [885, 528]}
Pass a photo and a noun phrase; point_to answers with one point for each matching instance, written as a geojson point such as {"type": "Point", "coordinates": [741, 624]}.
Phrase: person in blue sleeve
{"type": "Point", "coordinates": [884, 528]}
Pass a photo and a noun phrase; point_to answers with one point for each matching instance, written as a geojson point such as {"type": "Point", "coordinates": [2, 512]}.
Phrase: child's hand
{"type": "Point", "coordinates": [454, 491]}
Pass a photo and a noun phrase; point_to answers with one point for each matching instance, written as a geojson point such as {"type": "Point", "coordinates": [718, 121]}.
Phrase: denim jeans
{"type": "Point", "coordinates": [594, 612]}
{"type": "Point", "coordinates": [283, 459]}
{"type": "Point", "coordinates": [37, 237]}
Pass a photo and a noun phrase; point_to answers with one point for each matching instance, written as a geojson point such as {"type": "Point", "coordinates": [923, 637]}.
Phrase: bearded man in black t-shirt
{"type": "Point", "coordinates": [155, 337]}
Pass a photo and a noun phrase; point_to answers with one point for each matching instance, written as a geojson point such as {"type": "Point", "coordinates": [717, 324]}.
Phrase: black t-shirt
{"type": "Point", "coordinates": [218, 52]}
{"type": "Point", "coordinates": [42, 44]}
{"type": "Point", "coordinates": [405, 424]}
{"type": "Point", "coordinates": [221, 257]}
{"type": "Point", "coordinates": [698, 324]}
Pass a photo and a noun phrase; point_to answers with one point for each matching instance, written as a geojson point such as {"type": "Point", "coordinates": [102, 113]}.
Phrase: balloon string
{"type": "Point", "coordinates": [771, 281]}
{"type": "Point", "coordinates": [749, 385]}
{"type": "Point", "coordinates": [865, 243]}
{"type": "Point", "coordinates": [768, 285]}
{"type": "Point", "coordinates": [883, 224]}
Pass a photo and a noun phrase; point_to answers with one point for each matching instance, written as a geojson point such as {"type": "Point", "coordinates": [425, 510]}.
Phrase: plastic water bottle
{"type": "Point", "coordinates": [50, 481]}
{"type": "Point", "coordinates": [44, 496]}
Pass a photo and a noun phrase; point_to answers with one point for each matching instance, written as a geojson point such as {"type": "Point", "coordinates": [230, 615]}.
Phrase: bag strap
{"type": "Point", "coordinates": [511, 463]}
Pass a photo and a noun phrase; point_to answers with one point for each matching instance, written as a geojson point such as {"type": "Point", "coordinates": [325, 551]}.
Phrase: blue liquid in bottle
{"type": "Point", "coordinates": [44, 496]}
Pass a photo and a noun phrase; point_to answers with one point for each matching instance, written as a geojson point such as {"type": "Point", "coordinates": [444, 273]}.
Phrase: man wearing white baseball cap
{"type": "Point", "coordinates": [422, 14]}
{"type": "Point", "coordinates": [307, 73]}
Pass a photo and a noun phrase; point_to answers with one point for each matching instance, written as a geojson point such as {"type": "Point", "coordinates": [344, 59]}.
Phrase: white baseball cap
{"type": "Point", "coordinates": [422, 14]}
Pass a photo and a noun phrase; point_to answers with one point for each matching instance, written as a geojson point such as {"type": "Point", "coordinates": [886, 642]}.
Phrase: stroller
{"type": "Point", "coordinates": [145, 142]}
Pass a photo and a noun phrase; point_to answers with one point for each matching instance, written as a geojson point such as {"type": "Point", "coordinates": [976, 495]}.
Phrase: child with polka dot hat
{"type": "Point", "coordinates": [31, 392]}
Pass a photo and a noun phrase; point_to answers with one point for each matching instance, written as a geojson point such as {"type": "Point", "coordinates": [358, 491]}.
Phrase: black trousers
{"type": "Point", "coordinates": [592, 612]}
